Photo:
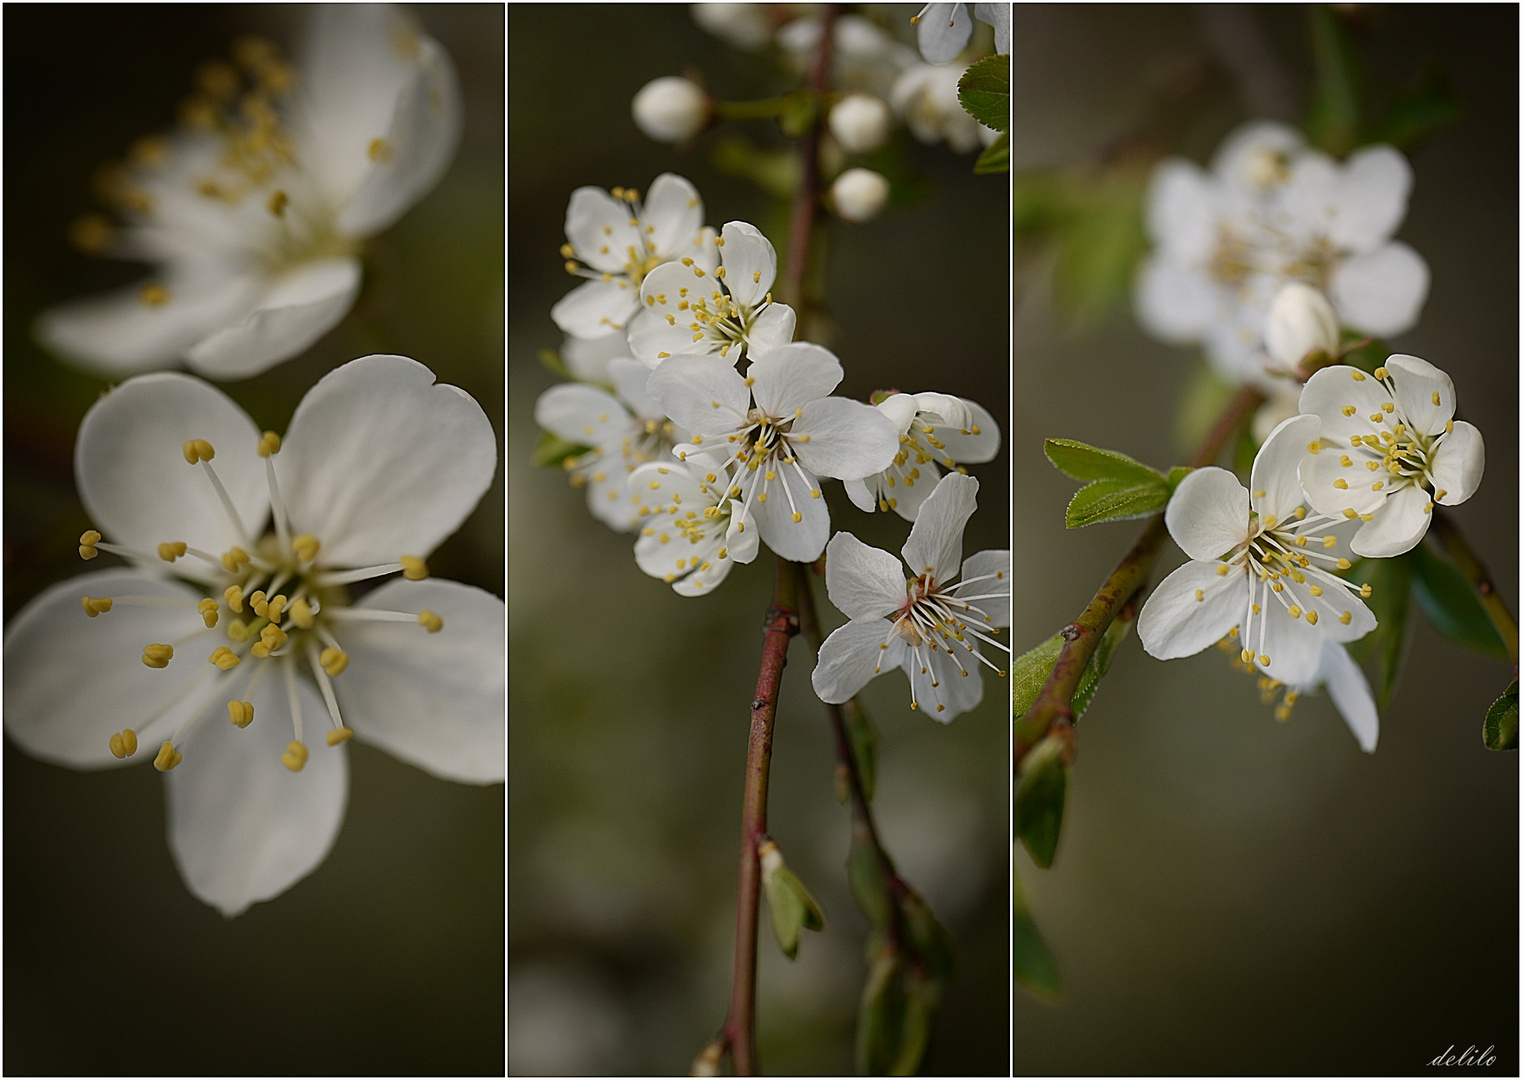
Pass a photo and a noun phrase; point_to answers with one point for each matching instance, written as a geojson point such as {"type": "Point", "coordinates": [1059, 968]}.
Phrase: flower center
{"type": "Point", "coordinates": [934, 618]}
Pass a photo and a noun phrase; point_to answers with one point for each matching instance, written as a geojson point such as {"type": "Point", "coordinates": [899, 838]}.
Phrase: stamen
{"type": "Point", "coordinates": [124, 744]}
{"type": "Point", "coordinates": [207, 608]}
{"type": "Point", "coordinates": [428, 621]}
{"type": "Point", "coordinates": [295, 755]}
{"type": "Point", "coordinates": [240, 713]}
{"type": "Point", "coordinates": [224, 658]}
{"type": "Point", "coordinates": [96, 605]}
{"type": "Point", "coordinates": [413, 568]}
{"type": "Point", "coordinates": [306, 546]}
{"type": "Point", "coordinates": [87, 541]}
{"type": "Point", "coordinates": [333, 660]}
{"type": "Point", "coordinates": [168, 757]}
{"type": "Point", "coordinates": [172, 551]}
{"type": "Point", "coordinates": [158, 656]}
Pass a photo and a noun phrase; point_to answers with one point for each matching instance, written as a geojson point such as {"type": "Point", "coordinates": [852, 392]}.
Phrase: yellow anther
{"type": "Point", "coordinates": [1448, 428]}
{"type": "Point", "coordinates": [797, 517]}
{"type": "Point", "coordinates": [1389, 406]}
{"type": "Point", "coordinates": [1299, 513]}
{"type": "Point", "coordinates": [1317, 590]}
{"type": "Point", "coordinates": [1345, 618]}
{"type": "Point", "coordinates": [1355, 440]}
{"type": "Point", "coordinates": [1358, 376]}
{"type": "Point", "coordinates": [1370, 517]}
{"type": "Point", "coordinates": [1312, 617]}
{"type": "Point", "coordinates": [1426, 510]}
{"type": "Point", "coordinates": [158, 656]}
{"type": "Point", "coordinates": [1381, 373]}
{"type": "Point", "coordinates": [258, 601]}
{"type": "Point", "coordinates": [1222, 569]}
{"type": "Point", "coordinates": [1269, 521]}
{"type": "Point", "coordinates": [154, 295]}
{"type": "Point", "coordinates": [95, 605]}
{"type": "Point", "coordinates": [233, 595]}
{"type": "Point", "coordinates": [1345, 461]}
{"type": "Point", "coordinates": [87, 541]}
{"type": "Point", "coordinates": [301, 613]}
{"type": "Point", "coordinates": [306, 546]}
{"type": "Point", "coordinates": [1264, 657]}
{"type": "Point", "coordinates": [1372, 466]}
{"type": "Point", "coordinates": [278, 203]}
{"type": "Point", "coordinates": [168, 758]}
{"type": "Point", "coordinates": [1349, 410]}
{"type": "Point", "coordinates": [240, 713]}
{"type": "Point", "coordinates": [1247, 655]}
{"type": "Point", "coordinates": [1314, 446]}
{"type": "Point", "coordinates": [1343, 564]}
{"type": "Point", "coordinates": [1295, 611]}
{"type": "Point", "coordinates": [237, 631]}
{"type": "Point", "coordinates": [208, 610]}
{"type": "Point", "coordinates": [1232, 633]}
{"type": "Point", "coordinates": [1199, 594]}
{"type": "Point", "coordinates": [379, 150]}
{"type": "Point", "coordinates": [1366, 591]}
{"type": "Point", "coordinates": [234, 559]}
{"type": "Point", "coordinates": [171, 551]}
{"type": "Point", "coordinates": [1440, 493]}
{"type": "Point", "coordinates": [1349, 513]}
{"type": "Point", "coordinates": [1377, 418]}
{"type": "Point", "coordinates": [272, 637]}
{"type": "Point", "coordinates": [197, 450]}
{"type": "Point", "coordinates": [274, 607]}
{"type": "Point", "coordinates": [1329, 542]}
{"type": "Point", "coordinates": [295, 756]}
{"type": "Point", "coordinates": [430, 621]}
{"type": "Point", "coordinates": [413, 568]}
{"type": "Point", "coordinates": [1340, 483]}
{"type": "Point", "coordinates": [340, 735]}
{"type": "Point", "coordinates": [224, 658]}
{"type": "Point", "coordinates": [92, 233]}
{"type": "Point", "coordinates": [124, 744]}
{"type": "Point", "coordinates": [333, 661]}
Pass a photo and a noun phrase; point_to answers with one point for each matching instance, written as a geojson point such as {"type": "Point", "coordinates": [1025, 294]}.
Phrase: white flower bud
{"type": "Point", "coordinates": [1300, 321]}
{"type": "Point", "coordinates": [670, 109]}
{"type": "Point", "coordinates": [860, 123]}
{"type": "Point", "coordinates": [859, 194]}
{"type": "Point", "coordinates": [745, 26]}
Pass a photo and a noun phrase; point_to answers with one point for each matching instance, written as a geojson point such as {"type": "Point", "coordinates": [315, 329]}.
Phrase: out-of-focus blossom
{"type": "Point", "coordinates": [925, 96]}
{"type": "Point", "coordinates": [865, 57]}
{"type": "Point", "coordinates": [861, 123]}
{"type": "Point", "coordinates": [670, 109]}
{"type": "Point", "coordinates": [859, 195]}
{"type": "Point", "coordinates": [745, 26]}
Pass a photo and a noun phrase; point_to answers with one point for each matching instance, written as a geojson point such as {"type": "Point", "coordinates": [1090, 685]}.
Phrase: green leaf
{"type": "Point", "coordinates": [863, 737]}
{"type": "Point", "coordinates": [1100, 245]}
{"type": "Point", "coordinates": [1029, 672]}
{"type": "Point", "coordinates": [1116, 500]}
{"type": "Point", "coordinates": [984, 91]}
{"type": "Point", "coordinates": [922, 997]}
{"type": "Point", "coordinates": [881, 1013]}
{"type": "Point", "coordinates": [553, 450]}
{"type": "Point", "coordinates": [1390, 582]}
{"type": "Point", "coordinates": [1084, 462]}
{"type": "Point", "coordinates": [1034, 968]}
{"type": "Point", "coordinates": [1099, 665]}
{"type": "Point", "coordinates": [1337, 106]}
{"type": "Point", "coordinates": [792, 908]}
{"type": "Point", "coordinates": [868, 884]}
{"type": "Point", "coordinates": [1039, 202]}
{"type": "Point", "coordinates": [1040, 791]}
{"type": "Point", "coordinates": [1500, 731]}
{"type": "Point", "coordinates": [994, 158]}
{"type": "Point", "coordinates": [1451, 606]}
{"type": "Point", "coordinates": [1176, 476]}
{"type": "Point", "coordinates": [551, 359]}
{"type": "Point", "coordinates": [928, 940]}
{"type": "Point", "coordinates": [1427, 107]}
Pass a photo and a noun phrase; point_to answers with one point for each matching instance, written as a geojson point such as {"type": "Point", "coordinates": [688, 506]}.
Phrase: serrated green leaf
{"type": "Point", "coordinates": [1084, 462]}
{"type": "Point", "coordinates": [792, 908]}
{"type": "Point", "coordinates": [868, 884]}
{"type": "Point", "coordinates": [983, 91]}
{"type": "Point", "coordinates": [1040, 791]}
{"type": "Point", "coordinates": [551, 359]}
{"type": "Point", "coordinates": [863, 738]}
{"type": "Point", "coordinates": [994, 158]}
{"type": "Point", "coordinates": [1500, 731]}
{"type": "Point", "coordinates": [1033, 964]}
{"type": "Point", "coordinates": [1116, 500]}
{"type": "Point", "coordinates": [553, 450]}
{"type": "Point", "coordinates": [1390, 583]}
{"type": "Point", "coordinates": [1336, 108]}
{"type": "Point", "coordinates": [1451, 606]}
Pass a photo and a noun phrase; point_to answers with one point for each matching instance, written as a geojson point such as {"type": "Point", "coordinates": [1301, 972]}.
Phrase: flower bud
{"type": "Point", "coordinates": [670, 109]}
{"type": "Point", "coordinates": [1300, 321]}
{"type": "Point", "coordinates": [745, 26]}
{"type": "Point", "coordinates": [859, 194]}
{"type": "Point", "coordinates": [860, 123]}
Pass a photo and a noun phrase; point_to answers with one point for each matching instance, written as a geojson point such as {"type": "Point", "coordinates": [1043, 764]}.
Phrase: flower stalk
{"type": "Point", "coordinates": [1474, 571]}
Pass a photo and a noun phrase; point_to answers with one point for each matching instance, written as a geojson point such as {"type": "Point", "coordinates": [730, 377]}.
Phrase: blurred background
{"type": "Point", "coordinates": [1233, 895]}
{"type": "Point", "coordinates": [389, 957]}
{"type": "Point", "coordinates": [629, 705]}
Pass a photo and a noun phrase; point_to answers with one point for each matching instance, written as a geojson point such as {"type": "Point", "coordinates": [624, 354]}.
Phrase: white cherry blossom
{"type": "Point", "coordinates": [694, 307]}
{"type": "Point", "coordinates": [670, 109]}
{"type": "Point", "coordinates": [253, 212]}
{"type": "Point", "coordinates": [1389, 448]}
{"type": "Point", "coordinates": [932, 429]}
{"type": "Point", "coordinates": [925, 96]}
{"type": "Point", "coordinates": [1261, 568]}
{"type": "Point", "coordinates": [945, 29]}
{"type": "Point", "coordinates": [229, 642]}
{"type": "Point", "coordinates": [693, 529]}
{"type": "Point", "coordinates": [1271, 210]}
{"type": "Point", "coordinates": [614, 239]}
{"type": "Point", "coordinates": [778, 429]}
{"type": "Point", "coordinates": [930, 624]}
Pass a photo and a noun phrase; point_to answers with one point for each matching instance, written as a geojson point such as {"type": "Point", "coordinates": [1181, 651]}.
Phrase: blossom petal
{"type": "Point", "coordinates": [1175, 302]}
{"type": "Point", "coordinates": [1458, 463]}
{"type": "Point", "coordinates": [675, 211]}
{"type": "Point", "coordinates": [1237, 160]}
{"type": "Point", "coordinates": [1424, 396]}
{"type": "Point", "coordinates": [864, 582]}
{"type": "Point", "coordinates": [1380, 292]}
{"type": "Point", "coordinates": [652, 339]}
{"type": "Point", "coordinates": [944, 683]}
{"type": "Point", "coordinates": [703, 394]}
{"type": "Point", "coordinates": [587, 358]}
{"type": "Point", "coordinates": [71, 682]}
{"type": "Point", "coordinates": [419, 143]}
{"type": "Point", "coordinates": [1181, 210]}
{"type": "Point", "coordinates": [944, 30]}
{"type": "Point", "coordinates": [993, 568]}
{"type": "Point", "coordinates": [594, 308]}
{"type": "Point", "coordinates": [1287, 648]}
{"type": "Point", "coordinates": [750, 262]}
{"type": "Point", "coordinates": [581, 414]}
{"type": "Point", "coordinates": [436, 701]}
{"type": "Point", "coordinates": [802, 540]}
{"type": "Point", "coordinates": [1275, 471]}
{"type": "Point", "coordinates": [242, 827]}
{"type": "Point", "coordinates": [1207, 515]}
{"type": "Point", "coordinates": [1333, 389]}
{"type": "Point", "coordinates": [860, 495]}
{"type": "Point", "coordinates": [597, 226]}
{"type": "Point", "coordinates": [845, 439]}
{"type": "Point", "coordinates": [379, 461]}
{"type": "Point", "coordinates": [130, 466]}
{"type": "Point", "coordinates": [1336, 601]}
{"type": "Point", "coordinates": [774, 327]}
{"type": "Point", "coordinates": [934, 546]}
{"type": "Point", "coordinates": [1371, 198]}
{"type": "Point", "coordinates": [1332, 487]}
{"type": "Point", "coordinates": [1398, 526]}
{"type": "Point", "coordinates": [629, 378]}
{"type": "Point", "coordinates": [851, 656]}
{"type": "Point", "coordinates": [1349, 691]}
{"type": "Point", "coordinates": [1176, 621]}
{"type": "Point", "coordinates": [297, 308]}
{"type": "Point", "coordinates": [977, 443]}
{"type": "Point", "coordinates": [793, 375]}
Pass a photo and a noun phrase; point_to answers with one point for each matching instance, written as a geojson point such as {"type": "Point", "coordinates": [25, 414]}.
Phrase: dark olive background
{"type": "Point", "coordinates": [1232, 895]}
{"type": "Point", "coordinates": [389, 957]}
{"type": "Point", "coordinates": [629, 704]}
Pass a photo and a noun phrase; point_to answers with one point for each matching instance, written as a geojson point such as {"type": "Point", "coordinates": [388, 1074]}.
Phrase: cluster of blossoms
{"type": "Point", "coordinates": [251, 632]}
{"type": "Point", "coordinates": [697, 422]}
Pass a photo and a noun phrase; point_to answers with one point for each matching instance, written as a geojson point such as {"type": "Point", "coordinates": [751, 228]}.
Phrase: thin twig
{"type": "Point", "coordinates": [1469, 564]}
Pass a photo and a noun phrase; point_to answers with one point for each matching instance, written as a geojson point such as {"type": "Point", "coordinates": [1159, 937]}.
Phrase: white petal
{"type": "Point", "coordinates": [296, 309]}
{"type": "Point", "coordinates": [1398, 525]}
{"type": "Point", "coordinates": [802, 540]}
{"type": "Point", "coordinates": [1176, 622]}
{"type": "Point", "coordinates": [997, 16]}
{"type": "Point", "coordinates": [1300, 320]}
{"type": "Point", "coordinates": [1275, 471]}
{"type": "Point", "coordinates": [587, 358]}
{"type": "Point", "coordinates": [581, 414]}
{"type": "Point", "coordinates": [774, 327]}
{"type": "Point", "coordinates": [71, 682]}
{"type": "Point", "coordinates": [792, 376]}
{"type": "Point", "coordinates": [1207, 515]}
{"type": "Point", "coordinates": [978, 442]}
{"type": "Point", "coordinates": [1458, 463]}
{"type": "Point", "coordinates": [900, 409]}
{"type": "Point", "coordinates": [1349, 690]}
{"type": "Point", "coordinates": [119, 334]}
{"type": "Point", "coordinates": [1380, 292]}
{"type": "Point", "coordinates": [1320, 475]}
{"type": "Point", "coordinates": [944, 30]}
{"type": "Point", "coordinates": [629, 378]}
{"type": "Point", "coordinates": [703, 394]}
{"type": "Point", "coordinates": [597, 225]}
{"type": "Point", "coordinates": [934, 546]}
{"type": "Point", "coordinates": [905, 493]}
{"type": "Point", "coordinates": [851, 656]}
{"type": "Point", "coordinates": [1292, 646]}
{"type": "Point", "coordinates": [864, 582]}
{"type": "Point", "coordinates": [860, 496]}
{"type": "Point", "coordinates": [1331, 390]}
{"type": "Point", "coordinates": [673, 207]}
{"type": "Point", "coordinates": [421, 139]}
{"type": "Point", "coordinates": [750, 262]}
{"type": "Point", "coordinates": [1371, 198]}
{"type": "Point", "coordinates": [1335, 602]}
{"type": "Point", "coordinates": [1181, 210]}
{"type": "Point", "coordinates": [1175, 302]}
{"type": "Point", "coordinates": [846, 439]}
{"type": "Point", "coordinates": [242, 827]}
{"type": "Point", "coordinates": [380, 462]}
{"type": "Point", "coordinates": [130, 466]}
{"type": "Point", "coordinates": [436, 701]}
{"type": "Point", "coordinates": [1424, 396]}
{"type": "Point", "coordinates": [652, 339]}
{"type": "Point", "coordinates": [1238, 160]}
{"type": "Point", "coordinates": [994, 567]}
{"type": "Point", "coordinates": [945, 685]}
{"type": "Point", "coordinates": [595, 308]}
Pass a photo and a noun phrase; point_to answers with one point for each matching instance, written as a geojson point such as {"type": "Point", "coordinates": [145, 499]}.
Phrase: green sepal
{"type": "Point", "coordinates": [863, 738]}
{"type": "Point", "coordinates": [931, 943]}
{"type": "Point", "coordinates": [1500, 731]}
{"type": "Point", "coordinates": [1034, 968]}
{"type": "Point", "coordinates": [551, 359]}
{"type": "Point", "coordinates": [881, 1013]}
{"type": "Point", "coordinates": [1451, 606]}
{"type": "Point", "coordinates": [868, 883]}
{"type": "Point", "coordinates": [553, 450]}
{"type": "Point", "coordinates": [1116, 500]}
{"type": "Point", "coordinates": [983, 91]}
{"type": "Point", "coordinates": [994, 158]}
{"type": "Point", "coordinates": [1084, 462]}
{"type": "Point", "coordinates": [792, 908]}
{"type": "Point", "coordinates": [1389, 600]}
{"type": "Point", "coordinates": [1040, 791]}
